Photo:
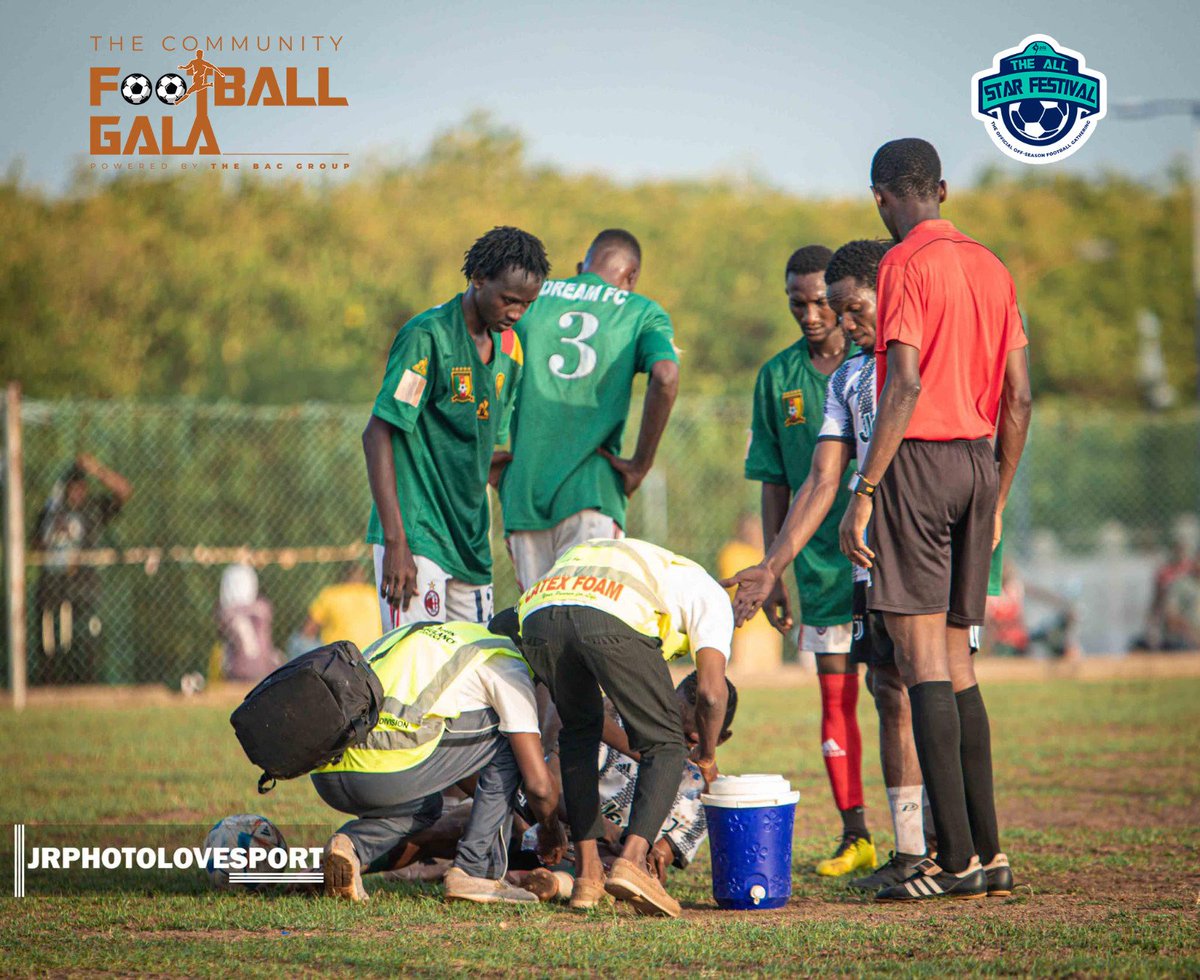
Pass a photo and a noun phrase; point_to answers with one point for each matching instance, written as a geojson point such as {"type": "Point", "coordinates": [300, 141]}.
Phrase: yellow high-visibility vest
{"type": "Point", "coordinates": [624, 578]}
{"type": "Point", "coordinates": [420, 669]}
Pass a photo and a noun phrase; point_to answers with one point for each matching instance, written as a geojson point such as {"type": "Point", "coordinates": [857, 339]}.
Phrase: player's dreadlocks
{"type": "Point", "coordinates": [811, 258]}
{"type": "Point", "coordinates": [503, 248]}
{"type": "Point", "coordinates": [908, 168]}
{"type": "Point", "coordinates": [691, 690]}
{"type": "Point", "coordinates": [859, 260]}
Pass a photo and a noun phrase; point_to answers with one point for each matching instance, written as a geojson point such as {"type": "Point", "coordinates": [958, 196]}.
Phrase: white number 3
{"type": "Point", "coordinates": [588, 325]}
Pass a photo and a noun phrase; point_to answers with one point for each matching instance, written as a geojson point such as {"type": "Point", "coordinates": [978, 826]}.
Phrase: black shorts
{"type": "Point", "coordinates": [932, 528]}
{"type": "Point", "coordinates": [869, 640]}
{"type": "Point", "coordinates": [870, 643]}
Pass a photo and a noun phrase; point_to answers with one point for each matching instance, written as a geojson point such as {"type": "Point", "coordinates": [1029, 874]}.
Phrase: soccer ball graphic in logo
{"type": "Point", "coordinates": [170, 88]}
{"type": "Point", "coordinates": [1039, 121]}
{"type": "Point", "coordinates": [242, 830]}
{"type": "Point", "coordinates": [136, 89]}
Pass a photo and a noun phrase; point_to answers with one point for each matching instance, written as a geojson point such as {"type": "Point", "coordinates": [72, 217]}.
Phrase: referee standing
{"type": "Point", "coordinates": [952, 373]}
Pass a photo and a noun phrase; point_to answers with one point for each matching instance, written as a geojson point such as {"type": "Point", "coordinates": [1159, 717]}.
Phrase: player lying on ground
{"type": "Point", "coordinates": [445, 403]}
{"type": "Point", "coordinates": [684, 831]}
{"type": "Point", "coordinates": [458, 703]}
{"type": "Point", "coordinates": [584, 340]}
{"type": "Point", "coordinates": [789, 396]}
{"type": "Point", "coordinates": [610, 614]}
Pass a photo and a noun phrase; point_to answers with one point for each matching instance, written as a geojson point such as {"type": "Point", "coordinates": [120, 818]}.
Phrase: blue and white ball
{"type": "Point", "coordinates": [1040, 120]}
{"type": "Point", "coordinates": [242, 831]}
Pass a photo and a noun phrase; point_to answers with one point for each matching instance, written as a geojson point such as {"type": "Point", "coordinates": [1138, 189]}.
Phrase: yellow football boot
{"type": "Point", "coordinates": [853, 854]}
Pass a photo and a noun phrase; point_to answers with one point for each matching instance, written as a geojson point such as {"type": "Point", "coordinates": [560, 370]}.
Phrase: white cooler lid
{"type": "Point", "coordinates": [754, 789]}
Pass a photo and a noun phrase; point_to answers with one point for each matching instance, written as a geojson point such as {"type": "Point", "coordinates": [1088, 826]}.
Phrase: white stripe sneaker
{"type": "Point", "coordinates": [930, 881]}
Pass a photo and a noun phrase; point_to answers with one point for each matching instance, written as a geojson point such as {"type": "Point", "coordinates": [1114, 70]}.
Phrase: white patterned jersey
{"type": "Point", "coordinates": [850, 412]}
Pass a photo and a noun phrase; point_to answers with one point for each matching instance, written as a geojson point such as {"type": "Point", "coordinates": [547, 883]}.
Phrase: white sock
{"type": "Point", "coordinates": [907, 814]}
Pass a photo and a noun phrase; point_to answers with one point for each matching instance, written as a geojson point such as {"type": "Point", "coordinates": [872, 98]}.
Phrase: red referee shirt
{"type": "Point", "coordinates": [952, 299]}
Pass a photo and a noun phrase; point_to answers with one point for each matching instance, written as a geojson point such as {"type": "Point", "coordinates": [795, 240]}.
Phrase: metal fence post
{"type": "Point", "coordinates": [14, 543]}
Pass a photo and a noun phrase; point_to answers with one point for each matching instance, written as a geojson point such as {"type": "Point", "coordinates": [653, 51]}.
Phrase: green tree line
{"type": "Point", "coordinates": [273, 291]}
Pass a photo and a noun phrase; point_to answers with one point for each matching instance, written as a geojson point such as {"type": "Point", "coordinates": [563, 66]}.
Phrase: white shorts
{"type": "Point", "coordinates": [439, 597]}
{"type": "Point", "coordinates": [534, 553]}
{"type": "Point", "coordinates": [826, 639]}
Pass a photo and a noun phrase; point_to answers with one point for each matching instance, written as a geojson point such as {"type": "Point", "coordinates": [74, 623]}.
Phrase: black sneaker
{"type": "Point", "coordinates": [930, 881]}
{"type": "Point", "coordinates": [999, 877]}
{"type": "Point", "coordinates": [898, 867]}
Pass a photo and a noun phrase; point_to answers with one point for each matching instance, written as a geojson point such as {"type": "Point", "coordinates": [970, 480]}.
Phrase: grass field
{"type": "Point", "coordinates": [1098, 789]}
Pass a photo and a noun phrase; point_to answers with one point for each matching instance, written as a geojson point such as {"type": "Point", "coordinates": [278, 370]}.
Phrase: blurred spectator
{"type": "Point", "coordinates": [757, 646]}
{"type": "Point", "coordinates": [1006, 632]}
{"type": "Point", "coordinates": [347, 610]}
{"type": "Point", "coordinates": [244, 621]}
{"type": "Point", "coordinates": [67, 599]}
{"type": "Point", "coordinates": [1180, 564]}
{"type": "Point", "coordinates": [1004, 626]}
{"type": "Point", "coordinates": [1181, 610]}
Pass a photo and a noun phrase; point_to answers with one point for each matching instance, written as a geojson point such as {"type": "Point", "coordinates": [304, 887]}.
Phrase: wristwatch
{"type": "Point", "coordinates": [860, 485]}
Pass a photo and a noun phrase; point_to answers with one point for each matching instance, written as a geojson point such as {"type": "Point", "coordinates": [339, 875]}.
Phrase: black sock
{"type": "Point", "coordinates": [975, 748]}
{"type": "Point", "coordinates": [936, 732]}
{"type": "Point", "coordinates": [854, 823]}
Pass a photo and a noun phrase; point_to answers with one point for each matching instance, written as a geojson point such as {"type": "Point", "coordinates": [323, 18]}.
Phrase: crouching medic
{"type": "Point", "coordinates": [609, 615]}
{"type": "Point", "coordinates": [458, 703]}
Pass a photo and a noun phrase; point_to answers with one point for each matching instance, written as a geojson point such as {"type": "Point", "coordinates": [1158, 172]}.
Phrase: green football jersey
{"type": "Point", "coordinates": [584, 340]}
{"type": "Point", "coordinates": [448, 411]}
{"type": "Point", "coordinates": [789, 407]}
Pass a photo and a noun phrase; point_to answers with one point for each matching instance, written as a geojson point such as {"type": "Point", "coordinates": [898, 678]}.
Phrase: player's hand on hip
{"type": "Point", "coordinates": [399, 579]}
{"type": "Point", "coordinates": [853, 530]}
{"type": "Point", "coordinates": [632, 473]}
{"type": "Point", "coordinates": [500, 459]}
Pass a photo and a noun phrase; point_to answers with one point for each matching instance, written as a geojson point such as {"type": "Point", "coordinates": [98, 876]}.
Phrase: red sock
{"type": "Point", "coordinates": [841, 742]}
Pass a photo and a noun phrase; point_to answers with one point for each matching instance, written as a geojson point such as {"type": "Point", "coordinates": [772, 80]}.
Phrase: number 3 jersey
{"type": "Point", "coordinates": [584, 340]}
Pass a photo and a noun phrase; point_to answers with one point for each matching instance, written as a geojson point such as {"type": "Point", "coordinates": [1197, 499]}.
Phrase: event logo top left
{"type": "Point", "coordinates": [175, 100]}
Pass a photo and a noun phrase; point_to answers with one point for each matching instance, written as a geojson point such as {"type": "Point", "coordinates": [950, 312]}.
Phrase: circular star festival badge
{"type": "Point", "coordinates": [1038, 102]}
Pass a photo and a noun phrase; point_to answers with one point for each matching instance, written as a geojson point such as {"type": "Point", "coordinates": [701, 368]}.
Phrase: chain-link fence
{"type": "Point", "coordinates": [284, 490]}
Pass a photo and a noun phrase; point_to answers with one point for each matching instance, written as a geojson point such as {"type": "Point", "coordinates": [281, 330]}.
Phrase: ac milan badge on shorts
{"type": "Point", "coordinates": [433, 602]}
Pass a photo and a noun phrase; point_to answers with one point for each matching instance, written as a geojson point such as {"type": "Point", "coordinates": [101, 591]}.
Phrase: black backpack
{"type": "Point", "coordinates": [308, 712]}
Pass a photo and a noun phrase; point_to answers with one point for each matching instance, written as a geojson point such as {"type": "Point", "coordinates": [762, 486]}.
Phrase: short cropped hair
{"type": "Point", "coordinates": [909, 168]}
{"type": "Point", "coordinates": [504, 248]}
{"type": "Point", "coordinates": [806, 260]}
{"type": "Point", "coordinates": [614, 240]}
{"type": "Point", "coordinates": [859, 260]}
{"type": "Point", "coordinates": [690, 686]}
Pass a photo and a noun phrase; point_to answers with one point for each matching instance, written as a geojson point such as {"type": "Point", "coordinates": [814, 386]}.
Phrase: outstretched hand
{"type": "Point", "coordinates": [756, 586]}
{"type": "Point", "coordinates": [631, 472]}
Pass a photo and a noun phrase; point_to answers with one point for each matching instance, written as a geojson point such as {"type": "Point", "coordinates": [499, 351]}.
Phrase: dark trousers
{"type": "Point", "coordinates": [575, 651]}
{"type": "Point", "coordinates": [392, 806]}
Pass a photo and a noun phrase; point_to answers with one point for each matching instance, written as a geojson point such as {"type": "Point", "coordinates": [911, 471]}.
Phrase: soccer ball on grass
{"type": "Point", "coordinates": [242, 831]}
